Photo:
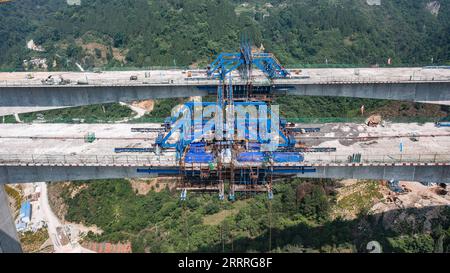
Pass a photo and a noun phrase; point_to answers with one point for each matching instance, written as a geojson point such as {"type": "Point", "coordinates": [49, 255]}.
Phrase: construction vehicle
{"type": "Point", "coordinates": [80, 82]}
{"type": "Point", "coordinates": [58, 80]}
{"type": "Point", "coordinates": [374, 121]}
{"type": "Point", "coordinates": [49, 80]}
{"type": "Point", "coordinates": [89, 137]}
{"type": "Point", "coordinates": [395, 187]}
{"type": "Point", "coordinates": [443, 124]}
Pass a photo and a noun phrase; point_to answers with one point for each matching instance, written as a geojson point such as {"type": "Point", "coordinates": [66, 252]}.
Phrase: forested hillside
{"type": "Point", "coordinates": [302, 217]}
{"type": "Point", "coordinates": [190, 32]}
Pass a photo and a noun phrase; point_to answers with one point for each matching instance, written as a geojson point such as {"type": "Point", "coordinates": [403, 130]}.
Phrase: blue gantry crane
{"type": "Point", "coordinates": [211, 154]}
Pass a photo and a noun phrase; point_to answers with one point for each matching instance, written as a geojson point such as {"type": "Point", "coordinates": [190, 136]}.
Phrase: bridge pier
{"type": "Point", "coordinates": [9, 241]}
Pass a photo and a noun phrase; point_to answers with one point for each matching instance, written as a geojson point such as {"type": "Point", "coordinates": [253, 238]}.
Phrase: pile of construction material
{"type": "Point", "coordinates": [374, 121]}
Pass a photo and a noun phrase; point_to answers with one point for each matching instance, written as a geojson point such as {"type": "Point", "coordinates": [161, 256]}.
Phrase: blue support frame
{"type": "Point", "coordinates": [221, 69]}
{"type": "Point", "coordinates": [162, 140]}
{"type": "Point", "coordinates": [228, 62]}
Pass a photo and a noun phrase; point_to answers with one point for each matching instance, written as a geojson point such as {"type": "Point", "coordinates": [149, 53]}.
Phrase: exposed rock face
{"type": "Point", "coordinates": [73, 2]}
{"type": "Point", "coordinates": [433, 7]}
{"type": "Point", "coordinates": [373, 2]}
{"type": "Point", "coordinates": [32, 46]}
{"type": "Point", "coordinates": [413, 211]}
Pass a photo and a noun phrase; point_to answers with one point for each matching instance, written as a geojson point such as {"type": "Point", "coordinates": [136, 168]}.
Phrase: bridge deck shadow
{"type": "Point", "coordinates": [357, 232]}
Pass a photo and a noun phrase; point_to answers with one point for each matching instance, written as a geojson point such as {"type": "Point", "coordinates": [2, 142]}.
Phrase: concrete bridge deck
{"type": "Point", "coordinates": [409, 84]}
{"type": "Point", "coordinates": [199, 77]}
{"type": "Point", "coordinates": [55, 152]}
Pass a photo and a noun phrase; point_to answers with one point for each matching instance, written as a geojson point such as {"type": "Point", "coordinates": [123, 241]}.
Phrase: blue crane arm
{"type": "Point", "coordinates": [270, 67]}
{"type": "Point", "coordinates": [221, 66]}
{"type": "Point", "coordinates": [225, 63]}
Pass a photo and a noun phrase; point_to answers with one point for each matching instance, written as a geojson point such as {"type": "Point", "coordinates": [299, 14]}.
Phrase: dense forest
{"type": "Point", "coordinates": [143, 33]}
{"type": "Point", "coordinates": [300, 218]}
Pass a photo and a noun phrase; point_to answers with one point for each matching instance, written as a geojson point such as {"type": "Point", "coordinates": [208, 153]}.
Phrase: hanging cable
{"type": "Point", "coordinates": [270, 225]}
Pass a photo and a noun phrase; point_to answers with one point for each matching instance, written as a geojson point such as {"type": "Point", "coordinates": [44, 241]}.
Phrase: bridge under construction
{"type": "Point", "coordinates": [237, 145]}
{"type": "Point", "coordinates": [61, 152]}
{"type": "Point", "coordinates": [35, 91]}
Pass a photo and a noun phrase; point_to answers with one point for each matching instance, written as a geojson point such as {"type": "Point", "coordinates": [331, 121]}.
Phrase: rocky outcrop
{"type": "Point", "coordinates": [433, 7]}
{"type": "Point", "coordinates": [373, 2]}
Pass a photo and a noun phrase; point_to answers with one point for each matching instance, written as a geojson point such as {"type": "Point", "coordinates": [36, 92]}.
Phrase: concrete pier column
{"type": "Point", "coordinates": [9, 242]}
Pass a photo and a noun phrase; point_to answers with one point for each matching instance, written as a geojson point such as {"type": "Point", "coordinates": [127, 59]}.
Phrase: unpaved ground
{"type": "Point", "coordinates": [355, 196]}
{"type": "Point", "coordinates": [91, 48]}
{"type": "Point", "coordinates": [167, 182]}
{"type": "Point", "coordinates": [421, 196]}
{"type": "Point", "coordinates": [374, 197]}
{"type": "Point", "coordinates": [15, 197]}
{"type": "Point", "coordinates": [416, 209]}
{"type": "Point", "coordinates": [80, 230]}
{"type": "Point", "coordinates": [56, 201]}
{"type": "Point", "coordinates": [143, 186]}
{"type": "Point", "coordinates": [410, 109]}
{"type": "Point", "coordinates": [147, 105]}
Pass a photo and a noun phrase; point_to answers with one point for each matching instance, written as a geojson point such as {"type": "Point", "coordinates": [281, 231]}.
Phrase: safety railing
{"type": "Point", "coordinates": [170, 160]}
{"type": "Point", "coordinates": [45, 159]}
{"type": "Point", "coordinates": [203, 81]}
{"type": "Point", "coordinates": [319, 158]}
{"type": "Point", "coordinates": [373, 79]}
{"type": "Point", "coordinates": [109, 82]}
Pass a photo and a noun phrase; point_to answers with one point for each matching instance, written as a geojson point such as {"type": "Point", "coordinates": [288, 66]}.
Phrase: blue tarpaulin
{"type": "Point", "coordinates": [251, 157]}
{"type": "Point", "coordinates": [443, 124]}
{"type": "Point", "coordinates": [198, 147]}
{"type": "Point", "coordinates": [287, 157]}
{"type": "Point", "coordinates": [25, 211]}
{"type": "Point", "coordinates": [192, 157]}
{"type": "Point", "coordinates": [197, 154]}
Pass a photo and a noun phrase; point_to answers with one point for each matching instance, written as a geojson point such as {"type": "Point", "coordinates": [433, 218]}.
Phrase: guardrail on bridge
{"type": "Point", "coordinates": [315, 159]}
